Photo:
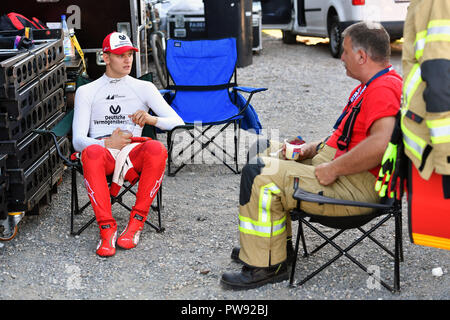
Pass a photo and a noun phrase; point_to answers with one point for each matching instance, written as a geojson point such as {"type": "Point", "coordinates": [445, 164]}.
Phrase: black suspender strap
{"type": "Point", "coordinates": [446, 186]}
{"type": "Point", "coordinates": [425, 155]}
{"type": "Point", "coordinates": [344, 140]}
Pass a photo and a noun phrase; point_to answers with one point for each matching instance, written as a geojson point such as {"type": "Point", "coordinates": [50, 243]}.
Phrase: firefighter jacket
{"type": "Point", "coordinates": [425, 118]}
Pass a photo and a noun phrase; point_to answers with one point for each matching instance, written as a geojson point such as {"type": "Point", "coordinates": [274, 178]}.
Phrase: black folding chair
{"type": "Point", "coordinates": [205, 95]}
{"type": "Point", "coordinates": [62, 129]}
{"type": "Point", "coordinates": [383, 212]}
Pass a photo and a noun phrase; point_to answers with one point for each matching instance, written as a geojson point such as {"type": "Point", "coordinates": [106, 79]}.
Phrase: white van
{"type": "Point", "coordinates": [328, 18]}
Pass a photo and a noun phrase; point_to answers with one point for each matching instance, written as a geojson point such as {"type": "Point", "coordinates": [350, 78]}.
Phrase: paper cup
{"type": "Point", "coordinates": [292, 149]}
{"type": "Point", "coordinates": [126, 133]}
{"type": "Point", "coordinates": [130, 125]}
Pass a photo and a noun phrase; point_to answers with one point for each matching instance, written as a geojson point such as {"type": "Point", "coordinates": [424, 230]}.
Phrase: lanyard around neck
{"type": "Point", "coordinates": [360, 92]}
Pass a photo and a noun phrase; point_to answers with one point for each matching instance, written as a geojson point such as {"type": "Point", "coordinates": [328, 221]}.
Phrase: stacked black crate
{"type": "Point", "coordinates": [3, 188]}
{"type": "Point", "coordinates": [32, 97]}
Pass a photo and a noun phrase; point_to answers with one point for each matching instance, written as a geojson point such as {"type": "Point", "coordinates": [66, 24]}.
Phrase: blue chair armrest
{"type": "Point", "coordinates": [249, 89]}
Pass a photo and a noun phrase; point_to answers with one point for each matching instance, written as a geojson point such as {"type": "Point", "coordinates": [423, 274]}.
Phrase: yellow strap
{"type": "Point", "coordinates": [27, 32]}
{"type": "Point", "coordinates": [15, 213]}
{"type": "Point", "coordinates": [77, 46]}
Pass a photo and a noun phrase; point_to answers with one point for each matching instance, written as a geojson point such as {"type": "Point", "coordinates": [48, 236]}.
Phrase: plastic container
{"type": "Point", "coordinates": [69, 49]}
{"type": "Point", "coordinates": [293, 149]}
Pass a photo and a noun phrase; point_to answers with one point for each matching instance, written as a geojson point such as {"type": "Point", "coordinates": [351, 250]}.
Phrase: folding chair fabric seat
{"type": "Point", "coordinates": [204, 90]}
{"type": "Point", "coordinates": [201, 101]}
{"type": "Point", "coordinates": [345, 222]}
{"type": "Point", "coordinates": [383, 211]}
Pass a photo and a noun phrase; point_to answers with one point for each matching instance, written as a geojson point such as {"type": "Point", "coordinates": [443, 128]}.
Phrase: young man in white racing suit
{"type": "Point", "coordinates": [108, 120]}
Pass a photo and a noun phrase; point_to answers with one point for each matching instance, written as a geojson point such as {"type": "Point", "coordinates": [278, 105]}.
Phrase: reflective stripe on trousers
{"type": "Point", "coordinates": [264, 227]}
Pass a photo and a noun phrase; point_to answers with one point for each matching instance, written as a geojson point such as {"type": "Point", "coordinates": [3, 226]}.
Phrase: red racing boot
{"type": "Point", "coordinates": [107, 244]}
{"type": "Point", "coordinates": [129, 238]}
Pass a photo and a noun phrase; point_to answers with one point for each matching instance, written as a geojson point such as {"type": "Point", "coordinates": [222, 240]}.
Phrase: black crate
{"type": "Point", "coordinates": [22, 154]}
{"type": "Point", "coordinates": [21, 151]}
{"type": "Point", "coordinates": [3, 201]}
{"type": "Point", "coordinates": [19, 68]}
{"type": "Point", "coordinates": [27, 98]}
{"type": "Point", "coordinates": [28, 150]}
{"type": "Point", "coordinates": [16, 130]}
{"type": "Point", "coordinates": [3, 161]}
{"type": "Point", "coordinates": [55, 78]}
{"type": "Point", "coordinates": [187, 25]}
{"type": "Point", "coordinates": [27, 187]}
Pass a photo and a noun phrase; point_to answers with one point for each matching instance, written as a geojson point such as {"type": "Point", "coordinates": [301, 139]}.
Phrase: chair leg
{"type": "Point", "coordinates": [294, 262]}
{"type": "Point", "coordinates": [169, 152]}
{"type": "Point", "coordinates": [401, 235]}
{"type": "Point", "coordinates": [325, 243]}
{"type": "Point", "coordinates": [398, 251]}
{"type": "Point", "coordinates": [159, 228]}
{"type": "Point", "coordinates": [302, 235]}
{"type": "Point", "coordinates": [73, 199]}
{"type": "Point", "coordinates": [236, 144]}
{"type": "Point", "coordinates": [84, 227]}
{"type": "Point", "coordinates": [378, 243]}
{"type": "Point", "coordinates": [80, 210]}
{"type": "Point", "coordinates": [345, 252]}
{"type": "Point", "coordinates": [158, 201]}
{"type": "Point", "coordinates": [75, 209]}
{"type": "Point", "coordinates": [205, 146]}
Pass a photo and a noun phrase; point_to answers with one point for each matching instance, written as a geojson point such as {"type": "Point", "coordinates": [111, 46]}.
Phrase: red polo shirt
{"type": "Point", "coordinates": [380, 99]}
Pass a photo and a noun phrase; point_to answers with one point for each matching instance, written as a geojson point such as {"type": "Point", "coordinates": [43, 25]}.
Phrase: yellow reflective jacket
{"type": "Point", "coordinates": [426, 90]}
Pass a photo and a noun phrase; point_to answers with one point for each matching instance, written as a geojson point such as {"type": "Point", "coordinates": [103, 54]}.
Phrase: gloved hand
{"type": "Point", "coordinates": [387, 169]}
{"type": "Point", "coordinates": [396, 184]}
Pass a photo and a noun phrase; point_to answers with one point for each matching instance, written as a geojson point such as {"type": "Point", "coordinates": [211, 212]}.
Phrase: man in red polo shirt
{"type": "Point", "coordinates": [343, 166]}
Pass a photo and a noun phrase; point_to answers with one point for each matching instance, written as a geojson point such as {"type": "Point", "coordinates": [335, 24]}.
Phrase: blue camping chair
{"type": "Point", "coordinates": [201, 91]}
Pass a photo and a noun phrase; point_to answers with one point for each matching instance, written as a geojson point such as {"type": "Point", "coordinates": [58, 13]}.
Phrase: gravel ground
{"type": "Point", "coordinates": [307, 89]}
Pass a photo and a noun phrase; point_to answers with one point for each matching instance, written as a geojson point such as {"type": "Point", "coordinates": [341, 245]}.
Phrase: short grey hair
{"type": "Point", "coordinates": [370, 37]}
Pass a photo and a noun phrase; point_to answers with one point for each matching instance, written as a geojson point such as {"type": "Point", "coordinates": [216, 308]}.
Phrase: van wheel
{"type": "Point", "coordinates": [335, 35]}
{"type": "Point", "coordinates": [289, 37]}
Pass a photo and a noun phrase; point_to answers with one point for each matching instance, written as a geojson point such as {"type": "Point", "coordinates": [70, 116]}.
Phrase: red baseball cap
{"type": "Point", "coordinates": [117, 43]}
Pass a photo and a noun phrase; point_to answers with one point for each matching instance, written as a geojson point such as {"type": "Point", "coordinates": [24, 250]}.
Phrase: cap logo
{"type": "Point", "coordinates": [118, 42]}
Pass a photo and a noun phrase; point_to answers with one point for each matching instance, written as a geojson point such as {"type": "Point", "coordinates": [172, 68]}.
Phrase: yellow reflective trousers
{"type": "Point", "coordinates": [267, 186]}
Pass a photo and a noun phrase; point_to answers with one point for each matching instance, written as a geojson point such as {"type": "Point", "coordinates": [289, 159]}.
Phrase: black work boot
{"type": "Point", "coordinates": [289, 249]}
{"type": "Point", "coordinates": [254, 277]}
